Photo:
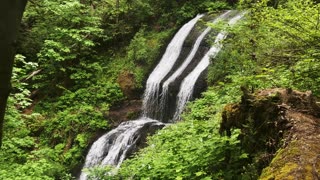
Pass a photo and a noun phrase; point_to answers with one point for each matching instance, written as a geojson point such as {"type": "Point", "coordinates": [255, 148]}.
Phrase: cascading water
{"type": "Point", "coordinates": [187, 85]}
{"type": "Point", "coordinates": [151, 93]}
{"type": "Point", "coordinates": [186, 62]}
{"type": "Point", "coordinates": [113, 147]}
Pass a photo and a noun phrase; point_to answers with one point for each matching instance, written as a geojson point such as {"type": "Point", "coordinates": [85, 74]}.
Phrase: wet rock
{"type": "Point", "coordinates": [127, 110]}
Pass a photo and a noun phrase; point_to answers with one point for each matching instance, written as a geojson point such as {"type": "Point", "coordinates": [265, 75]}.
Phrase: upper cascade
{"type": "Point", "coordinates": [186, 62]}
{"type": "Point", "coordinates": [187, 85]}
{"type": "Point", "coordinates": [151, 94]}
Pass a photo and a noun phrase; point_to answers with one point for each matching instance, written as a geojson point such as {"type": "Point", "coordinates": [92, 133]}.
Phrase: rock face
{"type": "Point", "coordinates": [299, 158]}
{"type": "Point", "coordinates": [127, 81]}
{"type": "Point", "coordinates": [127, 110]}
{"type": "Point", "coordinates": [283, 126]}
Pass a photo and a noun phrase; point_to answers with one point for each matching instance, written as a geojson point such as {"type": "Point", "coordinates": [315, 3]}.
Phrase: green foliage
{"type": "Point", "coordinates": [172, 11]}
{"type": "Point", "coordinates": [138, 50]}
{"type": "Point", "coordinates": [267, 50]}
{"type": "Point", "coordinates": [96, 94]}
{"type": "Point", "coordinates": [72, 53]}
{"type": "Point", "coordinates": [142, 52]}
{"type": "Point", "coordinates": [204, 109]}
{"type": "Point", "coordinates": [65, 33]}
{"type": "Point", "coordinates": [31, 170]}
{"type": "Point", "coordinates": [272, 48]}
{"type": "Point", "coordinates": [75, 42]}
{"type": "Point", "coordinates": [214, 6]}
{"type": "Point", "coordinates": [188, 150]}
{"type": "Point", "coordinates": [19, 158]}
{"type": "Point", "coordinates": [121, 19]}
{"type": "Point", "coordinates": [192, 149]}
{"type": "Point", "coordinates": [306, 75]}
{"type": "Point", "coordinates": [101, 173]}
{"type": "Point", "coordinates": [78, 49]}
{"type": "Point", "coordinates": [75, 117]}
{"type": "Point", "coordinates": [20, 75]}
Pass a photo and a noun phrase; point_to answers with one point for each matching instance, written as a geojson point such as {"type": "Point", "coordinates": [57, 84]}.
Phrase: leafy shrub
{"type": "Point", "coordinates": [306, 75]}
{"type": "Point", "coordinates": [64, 47]}
{"type": "Point", "coordinates": [75, 117]}
{"type": "Point", "coordinates": [19, 158]}
{"type": "Point", "coordinates": [187, 150]}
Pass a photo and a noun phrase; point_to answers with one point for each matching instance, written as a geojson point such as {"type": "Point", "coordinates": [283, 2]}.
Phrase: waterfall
{"type": "Point", "coordinates": [186, 62]}
{"type": "Point", "coordinates": [151, 94]}
{"type": "Point", "coordinates": [113, 147]}
{"type": "Point", "coordinates": [187, 85]}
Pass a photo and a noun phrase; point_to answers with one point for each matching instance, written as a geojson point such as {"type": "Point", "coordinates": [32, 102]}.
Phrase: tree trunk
{"type": "Point", "coordinates": [10, 17]}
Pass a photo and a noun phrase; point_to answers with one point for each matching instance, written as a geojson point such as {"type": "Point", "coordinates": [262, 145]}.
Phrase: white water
{"type": "Point", "coordinates": [151, 94]}
{"type": "Point", "coordinates": [113, 147]}
{"type": "Point", "coordinates": [186, 62]}
{"type": "Point", "coordinates": [187, 85]}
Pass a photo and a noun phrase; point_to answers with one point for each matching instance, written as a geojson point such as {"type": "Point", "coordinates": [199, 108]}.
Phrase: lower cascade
{"type": "Point", "coordinates": [112, 148]}
{"type": "Point", "coordinates": [115, 146]}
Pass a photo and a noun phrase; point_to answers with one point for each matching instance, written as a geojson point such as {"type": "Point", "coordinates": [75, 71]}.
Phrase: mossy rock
{"type": "Point", "coordinates": [127, 82]}
{"type": "Point", "coordinates": [300, 156]}
{"type": "Point", "coordinates": [282, 125]}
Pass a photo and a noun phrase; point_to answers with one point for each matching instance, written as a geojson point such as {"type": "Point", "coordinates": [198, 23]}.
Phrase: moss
{"type": "Point", "coordinates": [278, 156]}
{"type": "Point", "coordinates": [231, 117]}
{"type": "Point", "coordinates": [280, 165]}
{"type": "Point", "coordinates": [230, 110]}
{"type": "Point", "coordinates": [132, 115]}
{"type": "Point", "coordinates": [284, 173]}
{"type": "Point", "coordinates": [267, 173]}
{"type": "Point", "coordinates": [290, 163]}
{"type": "Point", "coordinates": [126, 81]}
{"type": "Point", "coordinates": [309, 170]}
{"type": "Point", "coordinates": [274, 118]}
{"type": "Point", "coordinates": [286, 170]}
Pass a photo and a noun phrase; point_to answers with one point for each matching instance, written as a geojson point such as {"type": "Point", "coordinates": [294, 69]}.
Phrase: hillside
{"type": "Point", "coordinates": [82, 67]}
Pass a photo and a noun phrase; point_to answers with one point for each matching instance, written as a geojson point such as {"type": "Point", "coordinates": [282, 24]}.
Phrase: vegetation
{"type": "Point", "coordinates": [77, 59]}
{"type": "Point", "coordinates": [272, 47]}
{"type": "Point", "coordinates": [192, 149]}
{"type": "Point", "coordinates": [11, 15]}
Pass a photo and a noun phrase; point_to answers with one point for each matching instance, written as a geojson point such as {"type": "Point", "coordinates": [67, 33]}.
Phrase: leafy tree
{"type": "Point", "coordinates": [65, 33]}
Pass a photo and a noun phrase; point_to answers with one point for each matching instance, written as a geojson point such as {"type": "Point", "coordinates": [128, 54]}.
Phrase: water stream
{"type": "Point", "coordinates": [187, 85]}
{"type": "Point", "coordinates": [113, 147]}
{"type": "Point", "coordinates": [186, 62]}
{"type": "Point", "coordinates": [151, 93]}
